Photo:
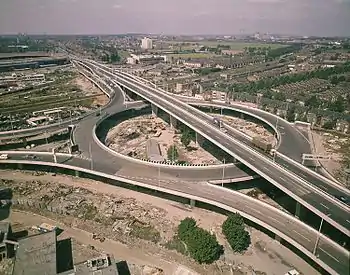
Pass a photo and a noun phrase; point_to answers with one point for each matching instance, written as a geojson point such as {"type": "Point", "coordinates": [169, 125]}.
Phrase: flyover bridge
{"type": "Point", "coordinates": [322, 204]}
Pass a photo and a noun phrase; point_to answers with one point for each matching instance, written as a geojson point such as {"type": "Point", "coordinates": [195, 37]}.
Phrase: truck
{"type": "Point", "coordinates": [261, 144]}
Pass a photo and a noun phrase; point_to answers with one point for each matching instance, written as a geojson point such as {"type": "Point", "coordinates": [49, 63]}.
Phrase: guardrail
{"type": "Point", "coordinates": [306, 204]}
{"type": "Point", "coordinates": [214, 202]}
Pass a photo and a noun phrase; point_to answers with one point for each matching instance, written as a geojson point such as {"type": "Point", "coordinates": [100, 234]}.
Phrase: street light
{"type": "Point", "coordinates": [91, 161]}
{"type": "Point", "coordinates": [318, 237]}
{"type": "Point", "coordinates": [223, 173]}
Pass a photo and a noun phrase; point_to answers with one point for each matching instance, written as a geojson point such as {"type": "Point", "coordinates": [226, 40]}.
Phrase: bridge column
{"type": "Point", "coordinates": [20, 166]}
{"type": "Point", "coordinates": [297, 210]}
{"type": "Point", "coordinates": [278, 238]}
{"type": "Point", "coordinates": [54, 155]}
{"type": "Point", "coordinates": [199, 140]}
{"type": "Point", "coordinates": [77, 173]}
{"type": "Point", "coordinates": [173, 122]}
{"type": "Point", "coordinates": [192, 203]}
{"type": "Point", "coordinates": [154, 110]}
{"type": "Point", "coordinates": [242, 116]}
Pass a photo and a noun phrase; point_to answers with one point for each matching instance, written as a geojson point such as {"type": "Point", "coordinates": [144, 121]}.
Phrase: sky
{"type": "Point", "coordinates": [293, 17]}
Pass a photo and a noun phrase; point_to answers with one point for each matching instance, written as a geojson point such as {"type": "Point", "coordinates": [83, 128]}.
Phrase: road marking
{"type": "Point", "coordinates": [329, 254]}
{"type": "Point", "coordinates": [257, 211]}
{"type": "Point", "coordinates": [348, 221]}
{"type": "Point", "coordinates": [301, 235]}
{"type": "Point", "coordinates": [323, 187]}
{"type": "Point", "coordinates": [251, 158]}
{"type": "Point", "coordinates": [325, 206]}
{"type": "Point", "coordinates": [266, 169]}
{"type": "Point", "coordinates": [282, 178]}
{"type": "Point", "coordinates": [277, 221]}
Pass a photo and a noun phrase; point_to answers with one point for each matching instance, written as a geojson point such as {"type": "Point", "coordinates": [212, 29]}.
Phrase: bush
{"type": "Point", "coordinates": [235, 233]}
{"type": "Point", "coordinates": [202, 246]}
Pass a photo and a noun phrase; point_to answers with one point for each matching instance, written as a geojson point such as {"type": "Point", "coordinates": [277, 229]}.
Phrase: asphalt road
{"type": "Point", "coordinates": [124, 166]}
{"type": "Point", "coordinates": [305, 194]}
{"type": "Point", "coordinates": [293, 144]}
{"type": "Point", "coordinates": [327, 251]}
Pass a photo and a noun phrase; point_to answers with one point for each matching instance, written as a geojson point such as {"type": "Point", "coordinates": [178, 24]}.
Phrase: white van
{"type": "Point", "coordinates": [292, 272]}
{"type": "Point", "coordinates": [4, 156]}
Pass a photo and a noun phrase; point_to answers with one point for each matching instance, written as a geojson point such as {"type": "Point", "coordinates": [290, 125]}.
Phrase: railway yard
{"type": "Point", "coordinates": [51, 97]}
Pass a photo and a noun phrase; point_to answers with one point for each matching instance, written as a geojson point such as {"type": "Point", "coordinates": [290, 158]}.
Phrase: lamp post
{"type": "Point", "coordinates": [318, 237]}
{"type": "Point", "coordinates": [223, 173]}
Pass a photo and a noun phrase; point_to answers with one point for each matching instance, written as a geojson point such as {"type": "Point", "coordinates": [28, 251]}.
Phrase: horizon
{"type": "Point", "coordinates": [320, 18]}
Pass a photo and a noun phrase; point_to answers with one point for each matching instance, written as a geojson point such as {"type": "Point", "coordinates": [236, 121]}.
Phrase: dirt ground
{"type": "Point", "coordinates": [130, 138]}
{"type": "Point", "coordinates": [335, 146]}
{"type": "Point", "coordinates": [109, 207]}
{"type": "Point", "coordinates": [91, 89]}
{"type": "Point", "coordinates": [250, 128]}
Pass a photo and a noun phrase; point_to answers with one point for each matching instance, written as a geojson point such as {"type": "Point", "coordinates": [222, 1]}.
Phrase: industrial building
{"type": "Point", "coordinates": [146, 59]}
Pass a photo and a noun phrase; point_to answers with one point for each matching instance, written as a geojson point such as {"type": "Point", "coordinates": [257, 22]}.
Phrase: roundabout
{"type": "Point", "coordinates": [181, 181]}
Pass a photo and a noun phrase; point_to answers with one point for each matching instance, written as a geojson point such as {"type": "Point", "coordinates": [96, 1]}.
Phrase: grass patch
{"type": "Point", "coordinates": [148, 232]}
{"type": "Point", "coordinates": [176, 244]}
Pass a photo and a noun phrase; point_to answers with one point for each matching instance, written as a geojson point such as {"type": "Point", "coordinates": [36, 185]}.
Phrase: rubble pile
{"type": "Point", "coordinates": [119, 215]}
{"type": "Point", "coordinates": [250, 128]}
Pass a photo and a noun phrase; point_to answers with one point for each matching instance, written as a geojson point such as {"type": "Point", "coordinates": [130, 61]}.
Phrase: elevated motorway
{"type": "Point", "coordinates": [324, 205]}
{"type": "Point", "coordinates": [329, 255]}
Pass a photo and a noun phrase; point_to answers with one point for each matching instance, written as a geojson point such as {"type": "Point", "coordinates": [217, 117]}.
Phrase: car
{"type": "Point", "coordinates": [343, 199]}
{"type": "Point", "coordinates": [292, 272]}
{"type": "Point", "coordinates": [31, 156]}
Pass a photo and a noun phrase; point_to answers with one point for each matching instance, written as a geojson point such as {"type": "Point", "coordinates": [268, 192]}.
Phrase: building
{"type": "Point", "coordinates": [146, 44]}
{"type": "Point", "coordinates": [42, 253]}
{"type": "Point", "coordinates": [146, 59]}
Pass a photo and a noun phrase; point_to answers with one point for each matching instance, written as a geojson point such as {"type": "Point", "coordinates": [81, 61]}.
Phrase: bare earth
{"type": "Point", "coordinates": [330, 145]}
{"type": "Point", "coordinates": [130, 137]}
{"type": "Point", "coordinates": [91, 89]}
{"type": "Point", "coordinates": [264, 255]}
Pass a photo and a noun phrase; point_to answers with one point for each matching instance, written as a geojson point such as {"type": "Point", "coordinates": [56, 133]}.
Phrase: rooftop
{"type": "Point", "coordinates": [36, 255]}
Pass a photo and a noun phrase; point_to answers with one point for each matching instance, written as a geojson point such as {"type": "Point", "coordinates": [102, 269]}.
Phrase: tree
{"type": "Point", "coordinates": [235, 233]}
{"type": "Point", "coordinates": [172, 153]}
{"type": "Point", "coordinates": [202, 246]}
{"type": "Point", "coordinates": [186, 138]}
{"type": "Point", "coordinates": [185, 228]}
{"type": "Point", "coordinates": [291, 114]}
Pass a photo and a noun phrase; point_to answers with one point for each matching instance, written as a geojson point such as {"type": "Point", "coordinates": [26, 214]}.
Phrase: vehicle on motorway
{"type": "Point", "coordinates": [216, 121]}
{"type": "Point", "coordinates": [31, 156]}
{"type": "Point", "coordinates": [4, 156]}
{"type": "Point", "coordinates": [261, 144]}
{"type": "Point", "coordinates": [293, 272]}
{"type": "Point", "coordinates": [343, 199]}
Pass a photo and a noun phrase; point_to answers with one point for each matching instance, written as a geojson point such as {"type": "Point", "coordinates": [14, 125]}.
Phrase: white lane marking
{"type": "Point", "coordinates": [266, 169]}
{"type": "Point", "coordinates": [328, 254]}
{"type": "Point", "coordinates": [348, 221]}
{"type": "Point", "coordinates": [251, 158]}
{"type": "Point", "coordinates": [301, 235]}
{"type": "Point", "coordinates": [282, 178]}
{"type": "Point", "coordinates": [325, 206]}
{"type": "Point", "coordinates": [283, 224]}
{"type": "Point", "coordinates": [257, 211]}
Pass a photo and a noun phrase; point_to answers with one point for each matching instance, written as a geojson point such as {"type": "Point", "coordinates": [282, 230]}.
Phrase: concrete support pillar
{"type": "Point", "coordinates": [192, 203]}
{"type": "Point", "coordinates": [154, 110]}
{"type": "Point", "coordinates": [297, 210]}
{"type": "Point", "coordinates": [77, 173]}
{"type": "Point", "coordinates": [54, 155]}
{"type": "Point", "coordinates": [20, 166]}
{"type": "Point", "coordinates": [199, 140]}
{"type": "Point", "coordinates": [173, 122]}
{"type": "Point", "coordinates": [242, 116]}
{"type": "Point", "coordinates": [278, 238]}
